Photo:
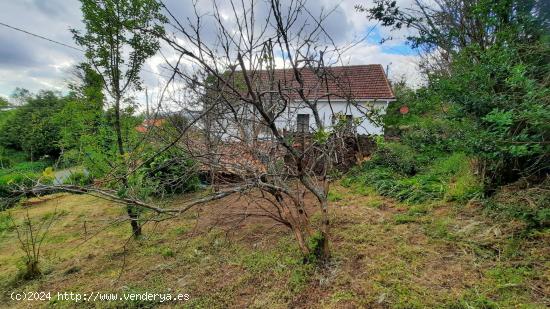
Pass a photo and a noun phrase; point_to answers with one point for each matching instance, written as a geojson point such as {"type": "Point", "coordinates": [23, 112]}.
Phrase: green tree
{"type": "Point", "coordinates": [32, 127]}
{"type": "Point", "coordinates": [82, 117]}
{"type": "Point", "coordinates": [492, 70]}
{"type": "Point", "coordinates": [4, 102]}
{"type": "Point", "coordinates": [117, 46]}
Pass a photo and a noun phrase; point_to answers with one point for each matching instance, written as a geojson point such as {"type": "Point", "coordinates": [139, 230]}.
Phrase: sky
{"type": "Point", "coordinates": [35, 64]}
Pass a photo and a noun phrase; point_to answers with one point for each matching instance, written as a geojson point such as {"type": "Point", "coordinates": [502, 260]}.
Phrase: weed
{"type": "Point", "coordinates": [300, 277]}
{"type": "Point", "coordinates": [375, 203]}
{"type": "Point", "coordinates": [419, 210]}
{"type": "Point", "coordinates": [450, 177]}
{"type": "Point", "coordinates": [509, 277]}
{"type": "Point", "coordinates": [334, 196]}
{"type": "Point", "coordinates": [472, 299]}
{"type": "Point", "coordinates": [80, 178]}
{"type": "Point", "coordinates": [404, 218]}
{"type": "Point", "coordinates": [342, 296]}
{"type": "Point", "coordinates": [166, 252]}
{"type": "Point", "coordinates": [315, 245]}
{"type": "Point", "coordinates": [260, 262]}
{"type": "Point", "coordinates": [364, 190]}
{"type": "Point", "coordinates": [438, 228]}
{"type": "Point", "coordinates": [519, 201]}
{"type": "Point", "coordinates": [5, 223]}
{"type": "Point", "coordinates": [180, 230]}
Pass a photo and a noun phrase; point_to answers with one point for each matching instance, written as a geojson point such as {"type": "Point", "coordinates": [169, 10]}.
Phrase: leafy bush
{"type": "Point", "coordinates": [396, 156]}
{"type": "Point", "coordinates": [169, 173]}
{"type": "Point", "coordinates": [11, 181]}
{"type": "Point", "coordinates": [24, 167]}
{"type": "Point", "coordinates": [450, 177]}
{"type": "Point", "coordinates": [506, 96]}
{"type": "Point", "coordinates": [21, 175]}
{"type": "Point", "coordinates": [437, 134]}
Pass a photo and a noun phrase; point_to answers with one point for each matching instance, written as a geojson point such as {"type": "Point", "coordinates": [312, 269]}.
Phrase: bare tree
{"type": "Point", "coordinates": [252, 106]}
{"type": "Point", "coordinates": [251, 88]}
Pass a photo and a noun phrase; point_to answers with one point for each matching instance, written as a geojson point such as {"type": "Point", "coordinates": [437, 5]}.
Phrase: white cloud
{"type": "Point", "coordinates": [35, 64]}
{"type": "Point", "coordinates": [400, 66]}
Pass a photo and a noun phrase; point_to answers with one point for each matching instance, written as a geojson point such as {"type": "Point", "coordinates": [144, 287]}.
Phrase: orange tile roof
{"type": "Point", "coordinates": [356, 82]}
{"type": "Point", "coordinates": [147, 123]}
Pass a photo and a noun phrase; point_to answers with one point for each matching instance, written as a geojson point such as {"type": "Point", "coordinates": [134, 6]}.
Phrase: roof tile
{"type": "Point", "coordinates": [357, 82]}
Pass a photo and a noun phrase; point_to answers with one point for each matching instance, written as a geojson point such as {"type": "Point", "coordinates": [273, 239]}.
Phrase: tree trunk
{"type": "Point", "coordinates": [299, 235]}
{"type": "Point", "coordinates": [130, 209]}
{"type": "Point", "coordinates": [325, 223]}
{"type": "Point", "coordinates": [118, 129]}
{"type": "Point", "coordinates": [136, 228]}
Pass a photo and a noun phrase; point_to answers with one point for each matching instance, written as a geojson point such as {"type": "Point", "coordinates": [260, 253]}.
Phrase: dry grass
{"type": "Point", "coordinates": [386, 255]}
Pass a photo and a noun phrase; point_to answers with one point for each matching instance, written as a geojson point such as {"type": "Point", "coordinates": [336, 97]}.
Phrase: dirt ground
{"type": "Point", "coordinates": [385, 255]}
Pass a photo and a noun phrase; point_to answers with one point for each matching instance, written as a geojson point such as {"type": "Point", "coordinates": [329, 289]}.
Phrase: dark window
{"type": "Point", "coordinates": [339, 117]}
{"type": "Point", "coordinates": [303, 123]}
{"type": "Point", "coordinates": [349, 119]}
{"type": "Point", "coordinates": [349, 123]}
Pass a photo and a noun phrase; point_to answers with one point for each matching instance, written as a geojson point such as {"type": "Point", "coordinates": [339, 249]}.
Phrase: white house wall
{"type": "Point", "coordinates": [228, 128]}
{"type": "Point", "coordinates": [326, 111]}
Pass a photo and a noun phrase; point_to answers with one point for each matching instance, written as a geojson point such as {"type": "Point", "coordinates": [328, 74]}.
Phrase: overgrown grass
{"type": "Point", "coordinates": [524, 202]}
{"type": "Point", "coordinates": [414, 181]}
{"type": "Point", "coordinates": [377, 262]}
{"type": "Point", "coordinates": [20, 175]}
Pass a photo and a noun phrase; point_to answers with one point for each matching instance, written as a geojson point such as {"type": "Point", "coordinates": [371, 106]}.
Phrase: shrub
{"type": "Point", "coordinates": [315, 245]}
{"type": "Point", "coordinates": [169, 173]}
{"type": "Point", "coordinates": [437, 135]}
{"type": "Point", "coordinates": [12, 181]}
{"type": "Point", "coordinates": [398, 157]}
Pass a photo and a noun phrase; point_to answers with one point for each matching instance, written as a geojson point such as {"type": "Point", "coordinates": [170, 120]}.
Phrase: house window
{"type": "Point", "coordinates": [345, 119]}
{"type": "Point", "coordinates": [349, 123]}
{"type": "Point", "coordinates": [349, 119]}
{"type": "Point", "coordinates": [302, 123]}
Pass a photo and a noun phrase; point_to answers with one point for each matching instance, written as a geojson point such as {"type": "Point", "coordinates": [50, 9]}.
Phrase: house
{"type": "Point", "coordinates": [358, 94]}
{"type": "Point", "coordinates": [150, 123]}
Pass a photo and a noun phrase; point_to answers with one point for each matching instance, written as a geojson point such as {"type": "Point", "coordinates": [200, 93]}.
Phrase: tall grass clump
{"type": "Point", "coordinates": [398, 171]}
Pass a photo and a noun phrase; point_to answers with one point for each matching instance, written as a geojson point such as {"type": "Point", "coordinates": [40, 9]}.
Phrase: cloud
{"type": "Point", "coordinates": [35, 64]}
{"type": "Point", "coordinates": [14, 53]}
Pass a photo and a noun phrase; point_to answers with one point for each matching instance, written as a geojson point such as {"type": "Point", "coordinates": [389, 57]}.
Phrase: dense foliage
{"type": "Point", "coordinates": [415, 176]}
{"type": "Point", "coordinates": [506, 95]}
{"type": "Point", "coordinates": [172, 172]}
{"type": "Point", "coordinates": [480, 127]}
{"type": "Point", "coordinates": [32, 127]}
{"type": "Point", "coordinates": [488, 93]}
